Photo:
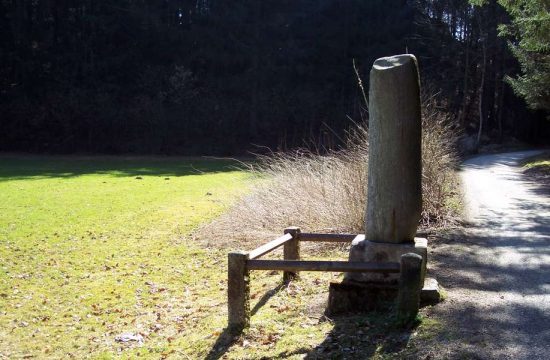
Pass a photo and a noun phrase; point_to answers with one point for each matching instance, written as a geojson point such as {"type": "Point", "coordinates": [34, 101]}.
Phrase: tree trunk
{"type": "Point", "coordinates": [256, 87]}
{"type": "Point", "coordinates": [481, 93]}
{"type": "Point", "coordinates": [462, 115]}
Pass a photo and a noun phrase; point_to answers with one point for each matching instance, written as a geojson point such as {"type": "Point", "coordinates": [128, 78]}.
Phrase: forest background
{"type": "Point", "coordinates": [226, 77]}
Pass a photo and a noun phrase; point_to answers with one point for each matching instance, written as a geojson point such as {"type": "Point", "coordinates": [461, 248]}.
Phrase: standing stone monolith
{"type": "Point", "coordinates": [394, 201]}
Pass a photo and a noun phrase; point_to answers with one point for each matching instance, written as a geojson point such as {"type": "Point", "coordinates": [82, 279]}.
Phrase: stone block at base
{"type": "Point", "coordinates": [353, 297]}
{"type": "Point", "coordinates": [369, 251]}
{"type": "Point", "coordinates": [349, 297]}
{"type": "Point", "coordinates": [430, 293]}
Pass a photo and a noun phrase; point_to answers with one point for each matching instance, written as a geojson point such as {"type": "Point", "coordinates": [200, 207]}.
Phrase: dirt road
{"type": "Point", "coordinates": [497, 270]}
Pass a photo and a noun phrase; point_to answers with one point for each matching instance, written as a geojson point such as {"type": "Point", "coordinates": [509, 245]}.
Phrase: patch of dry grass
{"type": "Point", "coordinates": [327, 193]}
{"type": "Point", "coordinates": [441, 201]}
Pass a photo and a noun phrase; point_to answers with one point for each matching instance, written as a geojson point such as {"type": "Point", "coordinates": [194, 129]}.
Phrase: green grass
{"type": "Point", "coordinates": [539, 162]}
{"type": "Point", "coordinates": [92, 248]}
{"type": "Point", "coordinates": [543, 164]}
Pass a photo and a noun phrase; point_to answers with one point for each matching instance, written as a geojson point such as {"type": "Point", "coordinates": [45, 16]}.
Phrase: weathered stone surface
{"type": "Point", "coordinates": [430, 293]}
{"type": "Point", "coordinates": [350, 296]}
{"type": "Point", "coordinates": [394, 201]}
{"type": "Point", "coordinates": [381, 252]}
{"type": "Point", "coordinates": [394, 183]}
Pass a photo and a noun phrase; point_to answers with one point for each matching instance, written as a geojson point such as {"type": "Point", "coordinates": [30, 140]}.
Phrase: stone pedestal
{"type": "Point", "coordinates": [363, 292]}
{"type": "Point", "coordinates": [352, 296]}
{"type": "Point", "coordinates": [370, 251]}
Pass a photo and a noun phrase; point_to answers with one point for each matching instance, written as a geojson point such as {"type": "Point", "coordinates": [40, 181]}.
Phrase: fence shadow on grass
{"type": "Point", "coordinates": [357, 336]}
{"type": "Point", "coordinates": [353, 336]}
{"type": "Point", "coordinates": [360, 336]}
{"type": "Point", "coordinates": [224, 341]}
{"type": "Point", "coordinates": [228, 338]}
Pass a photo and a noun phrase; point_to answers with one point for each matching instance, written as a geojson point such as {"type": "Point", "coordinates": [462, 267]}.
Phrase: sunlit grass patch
{"type": "Point", "coordinates": [542, 164]}
{"type": "Point", "coordinates": [537, 168]}
{"type": "Point", "coordinates": [91, 248]}
{"type": "Point", "coordinates": [540, 161]}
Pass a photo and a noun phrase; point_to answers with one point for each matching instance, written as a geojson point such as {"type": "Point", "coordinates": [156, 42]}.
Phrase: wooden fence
{"type": "Point", "coordinates": [241, 262]}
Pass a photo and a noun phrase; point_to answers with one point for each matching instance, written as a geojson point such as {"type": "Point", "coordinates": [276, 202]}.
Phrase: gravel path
{"type": "Point", "coordinates": [497, 270]}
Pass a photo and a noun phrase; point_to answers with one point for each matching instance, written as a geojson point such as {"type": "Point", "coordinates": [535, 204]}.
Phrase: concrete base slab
{"type": "Point", "coordinates": [364, 250]}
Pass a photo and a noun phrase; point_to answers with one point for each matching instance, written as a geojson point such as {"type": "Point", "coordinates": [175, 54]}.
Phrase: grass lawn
{"type": "Point", "coordinates": [93, 248]}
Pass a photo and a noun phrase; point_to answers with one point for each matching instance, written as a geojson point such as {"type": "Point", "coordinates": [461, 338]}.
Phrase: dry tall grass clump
{"type": "Point", "coordinates": [328, 192]}
{"type": "Point", "coordinates": [440, 198]}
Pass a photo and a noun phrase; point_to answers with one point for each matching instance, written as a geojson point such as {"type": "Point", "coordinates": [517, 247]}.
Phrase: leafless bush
{"type": "Point", "coordinates": [328, 192]}
{"type": "Point", "coordinates": [439, 159]}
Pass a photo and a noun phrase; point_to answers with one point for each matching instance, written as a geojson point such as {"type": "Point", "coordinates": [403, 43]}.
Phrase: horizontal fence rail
{"type": "Point", "coordinates": [270, 246]}
{"type": "Point", "coordinates": [328, 266]}
{"type": "Point", "coordinates": [241, 262]}
{"type": "Point", "coordinates": [343, 238]}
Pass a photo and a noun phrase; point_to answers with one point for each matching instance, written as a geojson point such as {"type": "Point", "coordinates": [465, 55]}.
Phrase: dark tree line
{"type": "Point", "coordinates": [472, 62]}
{"type": "Point", "coordinates": [215, 76]}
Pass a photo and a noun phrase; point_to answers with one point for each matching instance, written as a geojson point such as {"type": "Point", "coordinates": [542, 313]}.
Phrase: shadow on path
{"type": "Point", "coordinates": [496, 269]}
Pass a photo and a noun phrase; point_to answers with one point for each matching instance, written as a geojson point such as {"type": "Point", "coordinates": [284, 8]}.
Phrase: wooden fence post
{"type": "Point", "coordinates": [238, 291]}
{"type": "Point", "coordinates": [408, 299]}
{"type": "Point", "coordinates": [291, 251]}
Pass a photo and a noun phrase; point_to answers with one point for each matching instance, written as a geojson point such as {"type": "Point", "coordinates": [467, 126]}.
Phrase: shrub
{"type": "Point", "coordinates": [327, 193]}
